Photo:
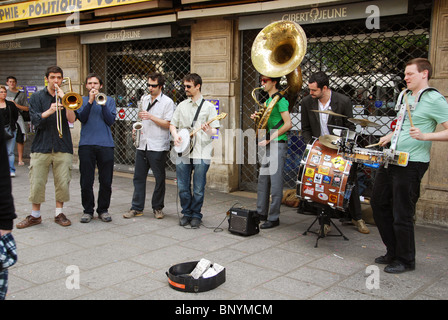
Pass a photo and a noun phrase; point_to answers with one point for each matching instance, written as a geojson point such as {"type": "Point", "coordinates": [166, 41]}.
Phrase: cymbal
{"type": "Point", "coordinates": [329, 112]}
{"type": "Point", "coordinates": [363, 122]}
{"type": "Point", "coordinates": [329, 141]}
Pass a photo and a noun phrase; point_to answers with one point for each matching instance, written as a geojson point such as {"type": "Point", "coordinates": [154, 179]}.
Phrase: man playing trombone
{"type": "Point", "coordinates": [96, 149]}
{"type": "Point", "coordinates": [52, 146]}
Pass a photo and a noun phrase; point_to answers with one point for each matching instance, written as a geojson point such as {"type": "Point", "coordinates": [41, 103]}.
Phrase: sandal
{"type": "Point", "coordinates": [21, 163]}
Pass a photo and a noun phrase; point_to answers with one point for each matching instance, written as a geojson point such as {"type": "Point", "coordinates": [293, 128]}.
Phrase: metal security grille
{"type": "Point", "coordinates": [124, 67]}
{"type": "Point", "coordinates": [366, 65]}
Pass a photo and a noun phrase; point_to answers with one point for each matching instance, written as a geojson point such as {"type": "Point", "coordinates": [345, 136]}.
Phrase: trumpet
{"type": "Point", "coordinates": [137, 126]}
{"type": "Point", "coordinates": [71, 100]}
{"type": "Point", "coordinates": [101, 99]}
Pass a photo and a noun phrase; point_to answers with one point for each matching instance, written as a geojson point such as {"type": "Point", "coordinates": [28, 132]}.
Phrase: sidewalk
{"type": "Point", "coordinates": [128, 258]}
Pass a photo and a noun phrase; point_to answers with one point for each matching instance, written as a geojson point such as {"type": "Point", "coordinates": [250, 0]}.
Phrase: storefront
{"type": "Point", "coordinates": [362, 45]}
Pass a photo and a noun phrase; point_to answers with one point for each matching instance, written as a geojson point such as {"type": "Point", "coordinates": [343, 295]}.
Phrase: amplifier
{"type": "Point", "coordinates": [243, 222]}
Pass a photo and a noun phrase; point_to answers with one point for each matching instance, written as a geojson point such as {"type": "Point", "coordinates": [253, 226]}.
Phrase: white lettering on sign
{"type": "Point", "coordinates": [316, 14]}
{"type": "Point", "coordinates": [122, 35]}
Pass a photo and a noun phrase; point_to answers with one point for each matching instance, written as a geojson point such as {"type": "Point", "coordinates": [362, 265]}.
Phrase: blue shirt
{"type": "Point", "coordinates": [96, 121]}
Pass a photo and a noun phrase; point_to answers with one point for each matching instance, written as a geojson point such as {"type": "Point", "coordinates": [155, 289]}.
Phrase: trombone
{"type": "Point", "coordinates": [71, 100]}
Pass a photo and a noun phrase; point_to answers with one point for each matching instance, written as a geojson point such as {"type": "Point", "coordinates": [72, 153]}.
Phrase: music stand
{"type": "Point", "coordinates": [323, 214]}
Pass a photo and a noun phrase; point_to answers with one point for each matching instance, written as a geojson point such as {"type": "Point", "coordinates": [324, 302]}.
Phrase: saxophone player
{"type": "Point", "coordinates": [154, 144]}
{"type": "Point", "coordinates": [96, 149]}
{"type": "Point", "coordinates": [270, 179]}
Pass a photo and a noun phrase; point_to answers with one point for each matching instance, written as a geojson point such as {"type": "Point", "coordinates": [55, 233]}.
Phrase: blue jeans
{"type": "Point", "coordinates": [10, 145]}
{"type": "Point", "coordinates": [191, 203]}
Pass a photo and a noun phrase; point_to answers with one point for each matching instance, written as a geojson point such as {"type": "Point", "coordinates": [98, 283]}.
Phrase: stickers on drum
{"type": "Point", "coordinates": [323, 176]}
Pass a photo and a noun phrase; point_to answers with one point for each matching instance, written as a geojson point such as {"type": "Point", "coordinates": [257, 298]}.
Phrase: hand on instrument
{"type": "Point", "coordinates": [416, 134]}
{"type": "Point", "coordinates": [207, 129]}
{"type": "Point", "coordinates": [177, 140]}
{"type": "Point", "coordinates": [144, 115]}
{"type": "Point", "coordinates": [92, 95]}
{"type": "Point", "coordinates": [385, 140]}
{"type": "Point", "coordinates": [59, 90]}
{"type": "Point", "coordinates": [253, 115]}
{"type": "Point", "coordinates": [263, 143]}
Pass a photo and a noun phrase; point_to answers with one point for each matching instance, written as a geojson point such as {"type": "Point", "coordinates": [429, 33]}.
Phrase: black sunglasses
{"type": "Point", "coordinates": [188, 86]}
{"type": "Point", "coordinates": [153, 85]}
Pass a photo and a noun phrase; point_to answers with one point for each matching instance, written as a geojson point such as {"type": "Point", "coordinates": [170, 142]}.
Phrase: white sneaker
{"type": "Point", "coordinates": [12, 174]}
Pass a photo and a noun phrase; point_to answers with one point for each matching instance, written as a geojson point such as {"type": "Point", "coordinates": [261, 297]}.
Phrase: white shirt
{"type": "Point", "coordinates": [183, 117]}
{"type": "Point", "coordinates": [323, 117]}
{"type": "Point", "coordinates": [154, 137]}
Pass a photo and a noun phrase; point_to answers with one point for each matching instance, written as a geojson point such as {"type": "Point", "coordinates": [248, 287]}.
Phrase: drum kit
{"type": "Point", "coordinates": [323, 178]}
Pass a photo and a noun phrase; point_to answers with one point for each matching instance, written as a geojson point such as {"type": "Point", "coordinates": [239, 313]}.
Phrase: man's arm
{"type": "Point", "coordinates": [415, 133]}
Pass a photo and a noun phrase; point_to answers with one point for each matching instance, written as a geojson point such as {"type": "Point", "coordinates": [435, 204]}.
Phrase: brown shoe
{"type": "Point", "coordinates": [361, 225]}
{"type": "Point", "coordinates": [158, 214]}
{"type": "Point", "coordinates": [62, 220]}
{"type": "Point", "coordinates": [28, 222]}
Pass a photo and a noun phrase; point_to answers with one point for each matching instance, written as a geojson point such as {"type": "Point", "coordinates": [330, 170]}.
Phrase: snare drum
{"type": "Point", "coordinates": [361, 155]}
{"type": "Point", "coordinates": [323, 177]}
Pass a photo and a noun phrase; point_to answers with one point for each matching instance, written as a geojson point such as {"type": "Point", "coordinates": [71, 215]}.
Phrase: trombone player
{"type": "Point", "coordinates": [96, 149]}
{"type": "Point", "coordinates": [49, 149]}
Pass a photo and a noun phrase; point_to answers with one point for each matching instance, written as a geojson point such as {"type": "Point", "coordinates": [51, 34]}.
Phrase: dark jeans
{"type": "Point", "coordinates": [89, 158]}
{"type": "Point", "coordinates": [395, 195]}
{"type": "Point", "coordinates": [156, 161]}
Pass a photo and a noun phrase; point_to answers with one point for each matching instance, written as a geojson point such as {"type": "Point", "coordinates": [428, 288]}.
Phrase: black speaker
{"type": "Point", "coordinates": [243, 222]}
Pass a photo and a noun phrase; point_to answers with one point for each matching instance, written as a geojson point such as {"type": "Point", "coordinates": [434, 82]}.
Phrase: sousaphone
{"type": "Point", "coordinates": [278, 51]}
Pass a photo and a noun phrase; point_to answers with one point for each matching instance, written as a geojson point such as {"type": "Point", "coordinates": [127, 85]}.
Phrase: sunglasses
{"type": "Point", "coordinates": [188, 86]}
{"type": "Point", "coordinates": [153, 85]}
{"type": "Point", "coordinates": [264, 80]}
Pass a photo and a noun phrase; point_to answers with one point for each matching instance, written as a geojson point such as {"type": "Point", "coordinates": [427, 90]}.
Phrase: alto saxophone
{"type": "Point", "coordinates": [137, 127]}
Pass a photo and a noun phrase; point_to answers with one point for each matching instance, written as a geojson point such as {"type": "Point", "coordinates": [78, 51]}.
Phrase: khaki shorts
{"type": "Point", "coordinates": [40, 164]}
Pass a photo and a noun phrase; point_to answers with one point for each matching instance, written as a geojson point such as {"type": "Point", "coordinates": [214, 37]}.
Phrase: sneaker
{"type": "Point", "coordinates": [184, 221]}
{"type": "Point", "coordinates": [361, 225]}
{"type": "Point", "coordinates": [105, 216]}
{"type": "Point", "coordinates": [195, 223]}
{"type": "Point", "coordinates": [158, 214]}
{"type": "Point", "coordinates": [28, 222]}
{"type": "Point", "coordinates": [12, 174]}
{"type": "Point", "coordinates": [86, 218]}
{"type": "Point", "coordinates": [62, 220]}
{"type": "Point", "coordinates": [132, 213]}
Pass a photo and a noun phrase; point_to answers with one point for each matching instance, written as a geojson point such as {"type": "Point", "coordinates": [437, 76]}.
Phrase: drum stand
{"type": "Point", "coordinates": [322, 215]}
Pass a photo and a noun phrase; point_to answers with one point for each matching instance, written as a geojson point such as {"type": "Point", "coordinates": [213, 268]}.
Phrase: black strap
{"type": "Point", "coordinates": [268, 135]}
{"type": "Point", "coordinates": [16, 96]}
{"type": "Point", "coordinates": [151, 105]}
{"type": "Point", "coordinates": [197, 113]}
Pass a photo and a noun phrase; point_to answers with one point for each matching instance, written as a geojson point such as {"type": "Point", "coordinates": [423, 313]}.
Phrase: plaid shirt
{"type": "Point", "coordinates": [8, 257]}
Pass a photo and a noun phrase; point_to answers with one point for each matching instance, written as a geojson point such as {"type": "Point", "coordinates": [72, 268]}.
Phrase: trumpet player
{"type": "Point", "coordinates": [154, 144]}
{"type": "Point", "coordinates": [48, 149]}
{"type": "Point", "coordinates": [96, 149]}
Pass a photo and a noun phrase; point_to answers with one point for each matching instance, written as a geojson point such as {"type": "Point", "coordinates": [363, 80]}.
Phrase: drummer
{"type": "Point", "coordinates": [316, 124]}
